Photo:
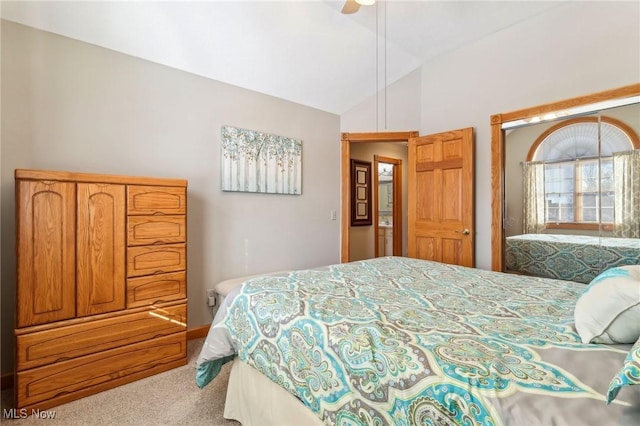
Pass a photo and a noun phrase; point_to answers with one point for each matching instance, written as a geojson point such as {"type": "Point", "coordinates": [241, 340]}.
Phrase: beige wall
{"type": "Point", "coordinates": [562, 53]}
{"type": "Point", "coordinates": [395, 109]}
{"type": "Point", "coordinates": [69, 105]}
{"type": "Point", "coordinates": [569, 51]}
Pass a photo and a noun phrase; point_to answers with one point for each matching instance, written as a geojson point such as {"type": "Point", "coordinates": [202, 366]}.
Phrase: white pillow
{"type": "Point", "coordinates": [609, 309]}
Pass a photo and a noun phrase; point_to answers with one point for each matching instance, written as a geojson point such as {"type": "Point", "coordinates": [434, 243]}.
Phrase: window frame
{"type": "Point", "coordinates": [581, 225]}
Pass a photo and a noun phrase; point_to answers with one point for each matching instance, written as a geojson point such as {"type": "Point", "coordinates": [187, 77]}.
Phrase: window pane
{"type": "Point", "coordinates": [589, 204]}
{"type": "Point", "coordinates": [566, 213]}
{"type": "Point", "coordinates": [558, 178]}
{"type": "Point", "coordinates": [606, 175]}
{"type": "Point", "coordinates": [572, 191]}
{"type": "Point", "coordinates": [594, 185]}
{"type": "Point", "coordinates": [606, 206]}
{"type": "Point", "coordinates": [559, 192]}
{"type": "Point", "coordinates": [587, 176]}
{"type": "Point", "coordinates": [607, 215]}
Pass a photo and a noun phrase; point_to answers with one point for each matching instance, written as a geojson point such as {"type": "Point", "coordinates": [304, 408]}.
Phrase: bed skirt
{"type": "Point", "coordinates": [253, 399]}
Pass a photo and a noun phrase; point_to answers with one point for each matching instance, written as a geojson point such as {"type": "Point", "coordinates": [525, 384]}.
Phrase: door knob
{"type": "Point", "coordinates": [465, 231]}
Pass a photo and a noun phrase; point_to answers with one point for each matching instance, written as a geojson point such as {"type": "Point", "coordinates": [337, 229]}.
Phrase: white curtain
{"type": "Point", "coordinates": [533, 219]}
{"type": "Point", "coordinates": [626, 213]}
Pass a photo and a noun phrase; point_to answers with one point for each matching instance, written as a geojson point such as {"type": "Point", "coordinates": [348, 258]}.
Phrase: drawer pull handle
{"type": "Point", "coordinates": [159, 271]}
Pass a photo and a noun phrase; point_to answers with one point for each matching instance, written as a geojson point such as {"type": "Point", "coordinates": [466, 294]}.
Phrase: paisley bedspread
{"type": "Point", "coordinates": [569, 257]}
{"type": "Point", "coordinates": [399, 341]}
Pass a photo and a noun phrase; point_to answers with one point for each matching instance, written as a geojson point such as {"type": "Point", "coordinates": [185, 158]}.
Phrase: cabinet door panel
{"type": "Point", "coordinates": [45, 252]}
{"type": "Point", "coordinates": [101, 248]}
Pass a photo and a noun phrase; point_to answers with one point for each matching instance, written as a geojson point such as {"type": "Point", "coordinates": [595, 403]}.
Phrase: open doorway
{"type": "Point", "coordinates": [349, 139]}
{"type": "Point", "coordinates": [387, 212]}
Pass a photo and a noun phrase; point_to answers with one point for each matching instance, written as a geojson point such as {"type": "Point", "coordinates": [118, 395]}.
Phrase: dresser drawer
{"type": "Point", "coordinates": [59, 344]}
{"type": "Point", "coordinates": [156, 200]}
{"type": "Point", "coordinates": [152, 289]}
{"type": "Point", "coordinates": [148, 260]}
{"type": "Point", "coordinates": [72, 379]}
{"type": "Point", "coordinates": [146, 230]}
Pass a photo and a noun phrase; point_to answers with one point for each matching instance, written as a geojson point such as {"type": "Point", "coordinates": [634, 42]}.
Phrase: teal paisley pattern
{"type": "Point", "coordinates": [399, 341]}
{"type": "Point", "coordinates": [444, 404]}
{"type": "Point", "coordinates": [530, 332]}
{"type": "Point", "coordinates": [628, 375]}
{"type": "Point", "coordinates": [314, 376]}
{"type": "Point", "coordinates": [577, 258]}
{"type": "Point", "coordinates": [497, 365]}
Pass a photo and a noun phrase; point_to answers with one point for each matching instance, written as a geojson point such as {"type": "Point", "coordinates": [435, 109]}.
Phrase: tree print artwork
{"type": "Point", "coordinates": [254, 161]}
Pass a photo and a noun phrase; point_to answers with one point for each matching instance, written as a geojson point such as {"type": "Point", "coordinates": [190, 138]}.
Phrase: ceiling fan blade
{"type": "Point", "coordinates": [350, 6]}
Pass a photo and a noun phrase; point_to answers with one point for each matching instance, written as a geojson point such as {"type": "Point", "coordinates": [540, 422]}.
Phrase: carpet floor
{"type": "Point", "coordinates": [169, 398]}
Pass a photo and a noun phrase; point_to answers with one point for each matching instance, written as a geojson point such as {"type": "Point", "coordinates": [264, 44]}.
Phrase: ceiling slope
{"type": "Point", "coordinates": [302, 51]}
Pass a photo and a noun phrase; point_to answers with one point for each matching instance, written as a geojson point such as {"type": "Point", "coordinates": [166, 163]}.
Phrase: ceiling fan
{"type": "Point", "coordinates": [352, 6]}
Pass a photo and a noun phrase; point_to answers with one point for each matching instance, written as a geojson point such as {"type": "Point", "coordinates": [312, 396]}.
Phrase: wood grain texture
{"type": "Point", "coordinates": [345, 205]}
{"type": "Point", "coordinates": [441, 197]}
{"type": "Point", "coordinates": [149, 200]}
{"type": "Point", "coordinates": [149, 260]}
{"type": "Point", "coordinates": [100, 260]}
{"type": "Point", "coordinates": [63, 176]}
{"type": "Point", "coordinates": [378, 136]}
{"type": "Point", "coordinates": [89, 374]}
{"type": "Point", "coordinates": [497, 194]}
{"type": "Point", "coordinates": [145, 230]}
{"type": "Point", "coordinates": [64, 343]}
{"type": "Point", "coordinates": [46, 250]}
{"type": "Point", "coordinates": [154, 289]}
{"type": "Point", "coordinates": [198, 332]}
{"type": "Point", "coordinates": [82, 327]}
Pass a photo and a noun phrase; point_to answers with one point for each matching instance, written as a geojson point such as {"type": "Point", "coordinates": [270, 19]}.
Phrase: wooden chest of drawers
{"type": "Point", "coordinates": [102, 282]}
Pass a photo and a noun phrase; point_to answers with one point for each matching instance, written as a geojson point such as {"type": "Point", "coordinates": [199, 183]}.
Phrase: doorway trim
{"type": "Point", "coordinates": [345, 207]}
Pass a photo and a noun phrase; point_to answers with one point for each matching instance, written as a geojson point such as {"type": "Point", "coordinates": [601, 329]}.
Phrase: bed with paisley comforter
{"type": "Point", "coordinates": [568, 257]}
{"type": "Point", "coordinates": [400, 341]}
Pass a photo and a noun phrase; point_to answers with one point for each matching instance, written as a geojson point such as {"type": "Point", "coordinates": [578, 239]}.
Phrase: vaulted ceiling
{"type": "Point", "coordinates": [303, 51]}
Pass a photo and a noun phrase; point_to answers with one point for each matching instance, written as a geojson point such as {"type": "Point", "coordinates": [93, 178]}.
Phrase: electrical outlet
{"type": "Point", "coordinates": [212, 297]}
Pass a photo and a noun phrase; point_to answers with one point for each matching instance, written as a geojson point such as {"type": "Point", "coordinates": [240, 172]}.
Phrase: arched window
{"type": "Point", "coordinates": [577, 158]}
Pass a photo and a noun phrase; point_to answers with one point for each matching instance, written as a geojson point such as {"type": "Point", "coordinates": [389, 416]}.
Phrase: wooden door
{"type": "Point", "coordinates": [101, 278]}
{"type": "Point", "coordinates": [441, 197]}
{"type": "Point", "coordinates": [46, 220]}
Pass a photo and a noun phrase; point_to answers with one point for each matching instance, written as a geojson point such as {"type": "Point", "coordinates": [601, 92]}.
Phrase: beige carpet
{"type": "Point", "coordinates": [170, 398]}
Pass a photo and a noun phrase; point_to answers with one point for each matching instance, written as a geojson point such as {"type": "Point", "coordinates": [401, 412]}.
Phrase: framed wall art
{"type": "Point", "coordinates": [360, 193]}
{"type": "Point", "coordinates": [254, 161]}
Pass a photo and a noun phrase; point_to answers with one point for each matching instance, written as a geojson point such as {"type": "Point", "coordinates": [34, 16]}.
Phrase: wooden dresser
{"type": "Point", "coordinates": [101, 282]}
